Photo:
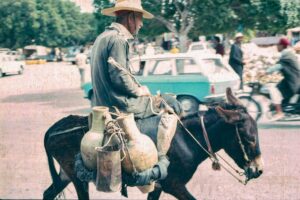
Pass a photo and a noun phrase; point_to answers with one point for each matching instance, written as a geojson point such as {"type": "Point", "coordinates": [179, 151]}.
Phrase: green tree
{"type": "Point", "coordinates": [44, 22]}
{"type": "Point", "coordinates": [60, 23]}
{"type": "Point", "coordinates": [102, 20]}
{"type": "Point", "coordinates": [196, 17]}
{"type": "Point", "coordinates": [17, 19]}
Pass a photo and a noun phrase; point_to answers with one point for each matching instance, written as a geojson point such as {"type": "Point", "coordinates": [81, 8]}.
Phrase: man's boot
{"type": "Point", "coordinates": [166, 130]}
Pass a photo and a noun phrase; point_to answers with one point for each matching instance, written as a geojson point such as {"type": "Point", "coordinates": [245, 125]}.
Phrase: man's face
{"type": "Point", "coordinates": [280, 47]}
{"type": "Point", "coordinates": [239, 39]}
{"type": "Point", "coordinates": [135, 22]}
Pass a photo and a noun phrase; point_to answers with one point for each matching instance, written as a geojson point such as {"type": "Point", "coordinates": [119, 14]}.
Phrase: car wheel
{"type": "Point", "coordinates": [189, 105]}
{"type": "Point", "coordinates": [253, 107]}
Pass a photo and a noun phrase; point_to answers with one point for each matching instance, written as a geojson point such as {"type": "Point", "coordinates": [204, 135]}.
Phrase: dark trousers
{"type": "Point", "coordinates": [239, 70]}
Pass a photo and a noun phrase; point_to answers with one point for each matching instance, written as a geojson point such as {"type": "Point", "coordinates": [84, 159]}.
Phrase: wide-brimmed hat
{"type": "Point", "coordinates": [238, 35]}
{"type": "Point", "coordinates": [130, 5]}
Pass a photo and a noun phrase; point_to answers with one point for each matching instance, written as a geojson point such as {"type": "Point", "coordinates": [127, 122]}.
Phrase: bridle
{"type": "Point", "coordinates": [214, 156]}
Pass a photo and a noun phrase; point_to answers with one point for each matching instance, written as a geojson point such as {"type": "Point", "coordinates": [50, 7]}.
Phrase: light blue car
{"type": "Point", "coordinates": [193, 78]}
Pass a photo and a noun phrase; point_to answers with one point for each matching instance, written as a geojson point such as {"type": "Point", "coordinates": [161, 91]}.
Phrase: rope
{"type": "Point", "coordinates": [114, 128]}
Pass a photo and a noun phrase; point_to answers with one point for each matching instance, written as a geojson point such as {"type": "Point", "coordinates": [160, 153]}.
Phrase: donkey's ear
{"type": "Point", "coordinates": [229, 116]}
{"type": "Point", "coordinates": [231, 98]}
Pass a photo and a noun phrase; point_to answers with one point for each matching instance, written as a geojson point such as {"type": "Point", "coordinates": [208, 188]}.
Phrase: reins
{"type": "Point", "coordinates": [214, 156]}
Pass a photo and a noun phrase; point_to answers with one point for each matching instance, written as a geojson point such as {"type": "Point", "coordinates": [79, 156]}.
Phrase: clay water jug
{"type": "Point", "coordinates": [94, 137]}
{"type": "Point", "coordinates": [142, 153]}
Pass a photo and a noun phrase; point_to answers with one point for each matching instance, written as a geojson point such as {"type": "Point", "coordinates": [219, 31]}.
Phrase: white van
{"type": "Point", "coordinates": [10, 64]}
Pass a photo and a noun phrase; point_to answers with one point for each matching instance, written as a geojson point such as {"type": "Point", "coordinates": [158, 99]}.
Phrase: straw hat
{"type": "Point", "coordinates": [131, 5]}
{"type": "Point", "coordinates": [238, 35]}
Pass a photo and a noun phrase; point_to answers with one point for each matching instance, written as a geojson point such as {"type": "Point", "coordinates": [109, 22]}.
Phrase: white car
{"type": "Point", "coordinates": [9, 64]}
{"type": "Point", "coordinates": [200, 47]}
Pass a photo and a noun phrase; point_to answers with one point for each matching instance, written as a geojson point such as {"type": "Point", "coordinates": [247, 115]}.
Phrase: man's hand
{"type": "Point", "coordinates": [144, 91]}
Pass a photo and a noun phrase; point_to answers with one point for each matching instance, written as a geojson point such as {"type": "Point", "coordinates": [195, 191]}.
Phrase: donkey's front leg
{"type": "Point", "coordinates": [178, 190]}
{"type": "Point", "coordinates": [156, 193]}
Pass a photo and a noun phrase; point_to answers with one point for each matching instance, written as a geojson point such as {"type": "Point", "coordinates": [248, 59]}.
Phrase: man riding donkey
{"type": "Point", "coordinates": [115, 86]}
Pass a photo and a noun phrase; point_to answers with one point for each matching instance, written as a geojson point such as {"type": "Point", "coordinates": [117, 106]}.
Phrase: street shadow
{"type": "Point", "coordinates": [288, 125]}
{"type": "Point", "coordinates": [9, 76]}
{"type": "Point", "coordinates": [59, 99]}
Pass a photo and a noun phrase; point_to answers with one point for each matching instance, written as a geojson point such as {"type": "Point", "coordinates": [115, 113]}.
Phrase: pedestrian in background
{"type": "Point", "coordinates": [236, 57]}
{"type": "Point", "coordinates": [219, 47]}
{"type": "Point", "coordinates": [81, 60]}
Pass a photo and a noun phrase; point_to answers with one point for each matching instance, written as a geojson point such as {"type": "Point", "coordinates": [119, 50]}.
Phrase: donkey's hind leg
{"type": "Point", "coordinates": [82, 189]}
{"type": "Point", "coordinates": [57, 186]}
{"type": "Point", "coordinates": [54, 189]}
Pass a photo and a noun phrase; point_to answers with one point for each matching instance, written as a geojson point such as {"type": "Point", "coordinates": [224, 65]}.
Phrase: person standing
{"type": "Point", "coordinates": [81, 60]}
{"type": "Point", "coordinates": [236, 57]}
{"type": "Point", "coordinates": [219, 47]}
{"type": "Point", "coordinates": [114, 84]}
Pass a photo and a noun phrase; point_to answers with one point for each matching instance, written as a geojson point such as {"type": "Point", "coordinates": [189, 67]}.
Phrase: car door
{"type": "Point", "coordinates": [165, 75]}
{"type": "Point", "coordinates": [190, 78]}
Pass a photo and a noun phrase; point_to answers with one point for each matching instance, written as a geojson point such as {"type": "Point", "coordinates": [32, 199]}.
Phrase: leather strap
{"type": "Point", "coordinates": [206, 137]}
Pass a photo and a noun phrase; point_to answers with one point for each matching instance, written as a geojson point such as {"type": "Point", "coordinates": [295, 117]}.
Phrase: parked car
{"type": "Point", "coordinates": [193, 78]}
{"type": "Point", "coordinates": [10, 64]}
{"type": "Point", "coordinates": [200, 47]}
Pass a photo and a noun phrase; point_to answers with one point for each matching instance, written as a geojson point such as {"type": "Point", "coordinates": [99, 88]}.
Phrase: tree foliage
{"type": "Point", "coordinates": [60, 23]}
{"type": "Point", "coordinates": [218, 16]}
{"type": "Point", "coordinates": [44, 22]}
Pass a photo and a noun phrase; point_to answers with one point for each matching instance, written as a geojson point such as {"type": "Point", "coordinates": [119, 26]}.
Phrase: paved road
{"type": "Point", "coordinates": [32, 102]}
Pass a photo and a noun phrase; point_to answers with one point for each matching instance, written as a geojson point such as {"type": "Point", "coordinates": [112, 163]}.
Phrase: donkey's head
{"type": "Point", "coordinates": [243, 145]}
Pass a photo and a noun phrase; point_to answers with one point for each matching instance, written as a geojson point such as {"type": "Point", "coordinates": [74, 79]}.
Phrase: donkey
{"type": "Point", "coordinates": [229, 127]}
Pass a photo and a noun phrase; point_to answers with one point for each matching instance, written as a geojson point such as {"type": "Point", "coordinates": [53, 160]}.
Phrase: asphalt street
{"type": "Point", "coordinates": [32, 102]}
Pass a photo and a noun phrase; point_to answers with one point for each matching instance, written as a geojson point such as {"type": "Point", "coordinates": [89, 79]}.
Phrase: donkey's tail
{"type": "Point", "coordinates": [54, 175]}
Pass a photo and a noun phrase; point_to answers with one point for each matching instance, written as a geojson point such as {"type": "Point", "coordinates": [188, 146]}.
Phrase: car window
{"type": "Point", "coordinates": [160, 67]}
{"type": "Point", "coordinates": [187, 66]}
{"type": "Point", "coordinates": [213, 66]}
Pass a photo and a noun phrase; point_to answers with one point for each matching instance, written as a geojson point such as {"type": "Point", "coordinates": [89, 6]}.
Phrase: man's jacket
{"type": "Point", "coordinates": [112, 86]}
{"type": "Point", "coordinates": [236, 58]}
{"type": "Point", "coordinates": [290, 69]}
